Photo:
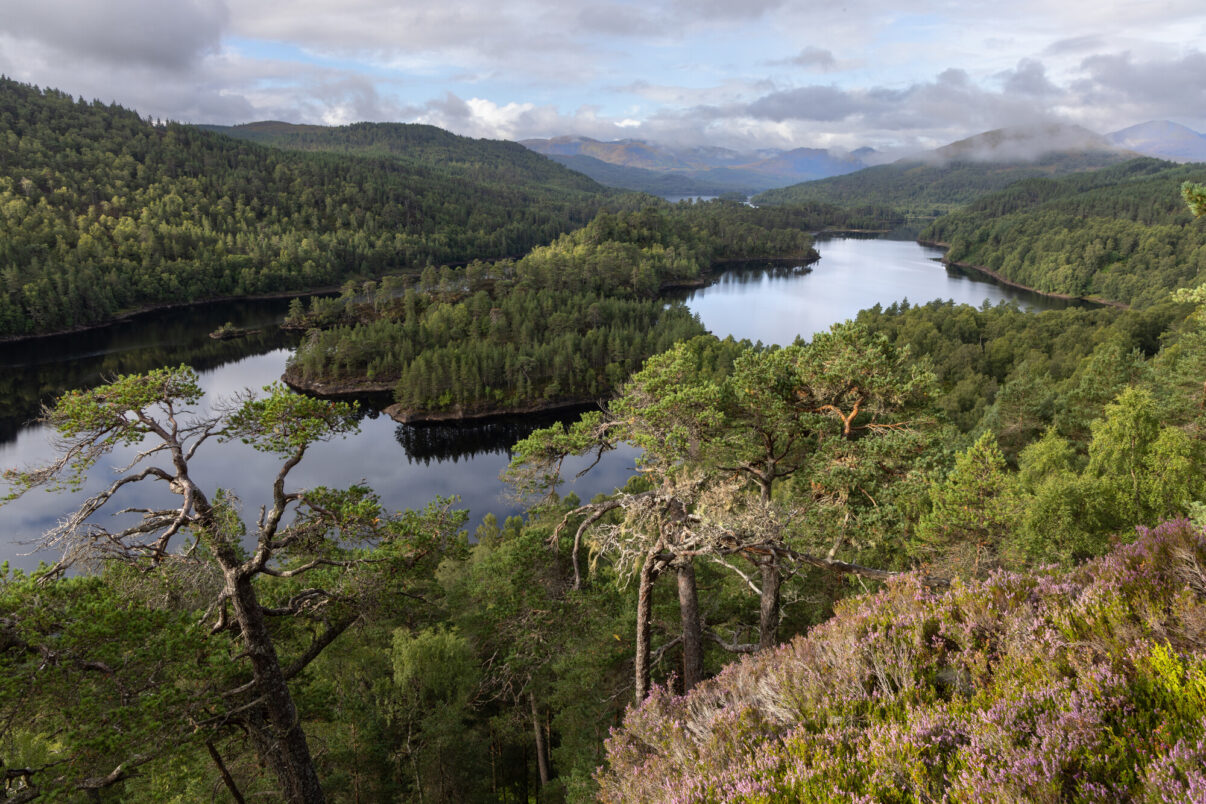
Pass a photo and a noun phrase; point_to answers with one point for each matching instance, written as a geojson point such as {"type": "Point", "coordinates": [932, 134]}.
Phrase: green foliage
{"type": "Point", "coordinates": [1195, 198]}
{"type": "Point", "coordinates": [102, 212]}
{"type": "Point", "coordinates": [1119, 234]}
{"type": "Point", "coordinates": [566, 323]}
{"type": "Point", "coordinates": [282, 421]}
{"type": "Point", "coordinates": [92, 678]}
{"type": "Point", "coordinates": [973, 512]}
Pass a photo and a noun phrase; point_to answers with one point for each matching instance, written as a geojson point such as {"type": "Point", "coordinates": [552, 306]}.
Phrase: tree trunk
{"type": "Point", "coordinates": [688, 606]}
{"type": "Point", "coordinates": [768, 619]}
{"type": "Point", "coordinates": [542, 755]}
{"type": "Point", "coordinates": [644, 615]}
{"type": "Point", "coordinates": [284, 747]}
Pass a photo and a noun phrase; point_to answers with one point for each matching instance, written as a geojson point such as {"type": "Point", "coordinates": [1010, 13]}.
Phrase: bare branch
{"type": "Point", "coordinates": [304, 568]}
{"type": "Point", "coordinates": [744, 577]}
{"type": "Point", "coordinates": [732, 646]}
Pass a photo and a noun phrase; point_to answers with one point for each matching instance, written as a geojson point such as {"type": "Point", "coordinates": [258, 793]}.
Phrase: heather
{"type": "Point", "coordinates": [1085, 684]}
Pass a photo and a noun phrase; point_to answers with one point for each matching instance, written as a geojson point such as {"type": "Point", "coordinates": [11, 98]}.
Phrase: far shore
{"type": "Point", "coordinates": [998, 277]}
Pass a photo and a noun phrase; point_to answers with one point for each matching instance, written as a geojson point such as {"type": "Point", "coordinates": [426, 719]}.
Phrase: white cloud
{"type": "Point", "coordinates": [741, 75]}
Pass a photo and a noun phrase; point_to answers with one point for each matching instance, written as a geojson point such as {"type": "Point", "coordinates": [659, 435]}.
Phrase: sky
{"type": "Point", "coordinates": [842, 74]}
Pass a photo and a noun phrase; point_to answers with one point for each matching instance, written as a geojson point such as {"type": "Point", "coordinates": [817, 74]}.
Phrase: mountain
{"type": "Point", "coordinates": [1023, 144]}
{"type": "Point", "coordinates": [103, 212]}
{"type": "Point", "coordinates": [938, 181]}
{"type": "Point", "coordinates": [1162, 139]}
{"type": "Point", "coordinates": [708, 170]}
{"type": "Point", "coordinates": [655, 182]}
{"type": "Point", "coordinates": [473, 160]}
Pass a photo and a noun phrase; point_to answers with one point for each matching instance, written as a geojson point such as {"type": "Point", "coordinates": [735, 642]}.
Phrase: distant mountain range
{"type": "Point", "coordinates": [667, 171]}
{"type": "Point", "coordinates": [949, 177]}
{"type": "Point", "coordinates": [1162, 139]}
{"type": "Point", "coordinates": [663, 170]}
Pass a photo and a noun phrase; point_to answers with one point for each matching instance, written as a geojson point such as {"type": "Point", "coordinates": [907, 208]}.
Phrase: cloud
{"type": "Point", "coordinates": [1118, 78]}
{"type": "Point", "coordinates": [808, 103]}
{"type": "Point", "coordinates": [152, 33]}
{"type": "Point", "coordinates": [1075, 44]}
{"type": "Point", "coordinates": [814, 57]}
{"type": "Point", "coordinates": [1028, 78]}
{"type": "Point", "coordinates": [721, 10]}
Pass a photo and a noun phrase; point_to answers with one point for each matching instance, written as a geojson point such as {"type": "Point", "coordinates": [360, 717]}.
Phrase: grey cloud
{"type": "Point", "coordinates": [1167, 86]}
{"type": "Point", "coordinates": [1029, 78]}
{"type": "Point", "coordinates": [618, 21]}
{"type": "Point", "coordinates": [817, 57]}
{"type": "Point", "coordinates": [1075, 44]}
{"type": "Point", "coordinates": [719, 10]}
{"type": "Point", "coordinates": [450, 108]}
{"type": "Point", "coordinates": [155, 33]}
{"type": "Point", "coordinates": [822, 103]}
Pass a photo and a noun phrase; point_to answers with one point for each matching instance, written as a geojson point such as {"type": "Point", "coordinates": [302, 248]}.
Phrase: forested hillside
{"type": "Point", "coordinates": [923, 190]}
{"type": "Point", "coordinates": [102, 212]}
{"type": "Point", "coordinates": [1121, 234]}
{"type": "Point", "coordinates": [438, 152]}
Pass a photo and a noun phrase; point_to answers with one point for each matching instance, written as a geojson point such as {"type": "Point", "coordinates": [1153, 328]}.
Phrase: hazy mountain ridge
{"type": "Point", "coordinates": [1023, 144]}
{"type": "Point", "coordinates": [1163, 139]}
{"type": "Point", "coordinates": [956, 174]}
{"type": "Point", "coordinates": [705, 170]}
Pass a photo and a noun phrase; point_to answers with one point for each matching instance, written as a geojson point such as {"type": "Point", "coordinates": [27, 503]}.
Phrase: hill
{"type": "Point", "coordinates": [1163, 140]}
{"type": "Point", "coordinates": [640, 165]}
{"type": "Point", "coordinates": [958, 173]}
{"type": "Point", "coordinates": [103, 212]}
{"type": "Point", "coordinates": [1080, 685]}
{"type": "Point", "coordinates": [1120, 234]}
{"type": "Point", "coordinates": [475, 160]}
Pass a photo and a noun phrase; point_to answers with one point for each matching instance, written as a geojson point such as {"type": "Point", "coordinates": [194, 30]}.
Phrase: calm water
{"type": "Point", "coordinates": [410, 466]}
{"type": "Point", "coordinates": [776, 304]}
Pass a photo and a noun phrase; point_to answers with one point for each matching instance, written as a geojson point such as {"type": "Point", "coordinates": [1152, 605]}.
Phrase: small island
{"type": "Point", "coordinates": [562, 326]}
{"type": "Point", "coordinates": [228, 331]}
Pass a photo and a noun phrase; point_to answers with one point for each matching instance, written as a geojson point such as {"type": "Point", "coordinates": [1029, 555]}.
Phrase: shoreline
{"type": "Point", "coordinates": [1003, 280]}
{"type": "Point", "coordinates": [702, 281]}
{"type": "Point", "coordinates": [158, 308]}
{"type": "Point", "coordinates": [348, 390]}
{"type": "Point", "coordinates": [460, 416]}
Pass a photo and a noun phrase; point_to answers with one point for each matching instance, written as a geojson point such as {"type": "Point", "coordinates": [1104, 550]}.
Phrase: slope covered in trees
{"type": "Point", "coordinates": [925, 189]}
{"type": "Point", "coordinates": [1121, 233]}
{"type": "Point", "coordinates": [438, 152]}
{"type": "Point", "coordinates": [102, 212]}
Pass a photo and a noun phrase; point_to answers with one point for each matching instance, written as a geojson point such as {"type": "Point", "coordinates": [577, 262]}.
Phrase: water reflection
{"type": "Point", "coordinates": [408, 465]}
{"type": "Point", "coordinates": [33, 373]}
{"type": "Point", "coordinates": [437, 443]}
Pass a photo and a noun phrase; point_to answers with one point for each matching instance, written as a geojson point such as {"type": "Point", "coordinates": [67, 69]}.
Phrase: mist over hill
{"type": "Point", "coordinates": [946, 178]}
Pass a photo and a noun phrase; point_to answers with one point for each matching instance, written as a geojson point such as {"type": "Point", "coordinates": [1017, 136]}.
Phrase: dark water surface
{"type": "Point", "coordinates": [409, 466]}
